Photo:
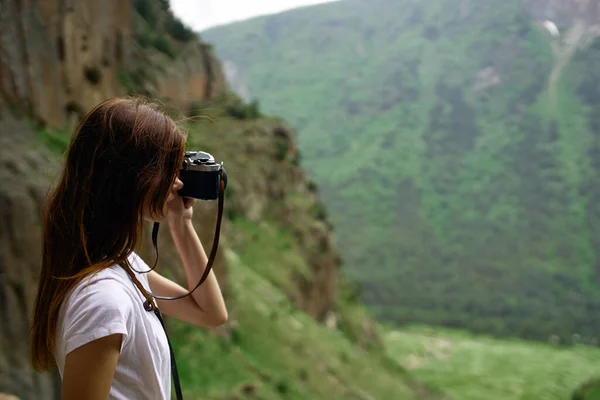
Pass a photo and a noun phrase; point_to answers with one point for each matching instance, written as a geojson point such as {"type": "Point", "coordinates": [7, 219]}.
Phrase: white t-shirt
{"type": "Point", "coordinates": [109, 304]}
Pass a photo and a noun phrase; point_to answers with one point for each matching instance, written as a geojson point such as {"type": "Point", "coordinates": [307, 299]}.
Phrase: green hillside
{"type": "Point", "coordinates": [274, 350]}
{"type": "Point", "coordinates": [472, 367]}
{"type": "Point", "coordinates": [278, 352]}
{"type": "Point", "coordinates": [456, 154]}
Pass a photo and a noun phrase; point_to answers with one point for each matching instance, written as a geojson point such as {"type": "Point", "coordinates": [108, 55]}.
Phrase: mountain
{"type": "Point", "coordinates": [277, 263]}
{"type": "Point", "coordinates": [455, 144]}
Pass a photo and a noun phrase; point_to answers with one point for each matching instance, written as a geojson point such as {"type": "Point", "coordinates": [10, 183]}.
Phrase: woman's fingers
{"type": "Point", "coordinates": [188, 202]}
{"type": "Point", "coordinates": [177, 185]}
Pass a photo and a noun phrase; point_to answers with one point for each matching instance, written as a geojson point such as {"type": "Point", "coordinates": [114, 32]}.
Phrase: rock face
{"type": "Point", "coordinates": [62, 57]}
{"type": "Point", "coordinates": [197, 76]}
{"type": "Point", "coordinates": [268, 185]}
{"type": "Point", "coordinates": [23, 173]}
{"type": "Point", "coordinates": [59, 58]}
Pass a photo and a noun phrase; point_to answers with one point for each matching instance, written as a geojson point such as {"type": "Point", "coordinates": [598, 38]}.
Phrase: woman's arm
{"type": "Point", "coordinates": [89, 369]}
{"type": "Point", "coordinates": [205, 306]}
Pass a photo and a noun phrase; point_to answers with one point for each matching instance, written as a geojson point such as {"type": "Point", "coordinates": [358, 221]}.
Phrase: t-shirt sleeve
{"type": "Point", "coordinates": [97, 309]}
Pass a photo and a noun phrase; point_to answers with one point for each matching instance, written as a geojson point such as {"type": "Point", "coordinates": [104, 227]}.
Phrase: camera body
{"type": "Point", "coordinates": [201, 176]}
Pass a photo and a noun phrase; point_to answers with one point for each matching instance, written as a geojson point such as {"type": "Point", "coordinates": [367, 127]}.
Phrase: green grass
{"type": "Point", "coordinates": [590, 390]}
{"type": "Point", "coordinates": [472, 367]}
{"type": "Point", "coordinates": [280, 352]}
{"type": "Point", "coordinates": [271, 249]}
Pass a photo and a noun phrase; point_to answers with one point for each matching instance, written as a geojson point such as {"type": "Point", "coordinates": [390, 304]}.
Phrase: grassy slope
{"type": "Point", "coordinates": [452, 205]}
{"type": "Point", "coordinates": [279, 351]}
{"type": "Point", "coordinates": [274, 347]}
{"type": "Point", "coordinates": [470, 367]}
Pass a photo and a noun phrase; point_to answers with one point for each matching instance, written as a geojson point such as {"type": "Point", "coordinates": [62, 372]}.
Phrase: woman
{"type": "Point", "coordinates": [121, 169]}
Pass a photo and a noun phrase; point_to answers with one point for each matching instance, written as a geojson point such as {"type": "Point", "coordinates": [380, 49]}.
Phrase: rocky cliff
{"type": "Point", "coordinates": [23, 173]}
{"type": "Point", "coordinates": [60, 58]}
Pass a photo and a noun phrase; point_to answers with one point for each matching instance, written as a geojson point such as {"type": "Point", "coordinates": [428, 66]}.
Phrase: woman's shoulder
{"type": "Point", "coordinates": [106, 286]}
{"type": "Point", "coordinates": [110, 286]}
{"type": "Point", "coordinates": [99, 305]}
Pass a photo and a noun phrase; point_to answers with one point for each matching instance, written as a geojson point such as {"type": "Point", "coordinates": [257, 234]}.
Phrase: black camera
{"type": "Point", "coordinates": [201, 176]}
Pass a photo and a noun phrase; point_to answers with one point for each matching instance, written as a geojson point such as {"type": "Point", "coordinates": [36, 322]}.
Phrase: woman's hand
{"type": "Point", "coordinates": [179, 209]}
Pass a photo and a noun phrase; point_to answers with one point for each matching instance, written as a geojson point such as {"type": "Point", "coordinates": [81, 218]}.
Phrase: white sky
{"type": "Point", "coordinates": [203, 14]}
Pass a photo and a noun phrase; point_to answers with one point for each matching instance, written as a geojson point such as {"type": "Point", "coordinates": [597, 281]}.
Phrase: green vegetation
{"type": "Point", "coordinates": [242, 110]}
{"type": "Point", "coordinates": [471, 367]}
{"type": "Point", "coordinates": [273, 349]}
{"type": "Point", "coordinates": [146, 10]}
{"type": "Point", "coordinates": [588, 391]}
{"type": "Point", "coordinates": [56, 140]}
{"type": "Point", "coordinates": [132, 81]}
{"type": "Point", "coordinates": [463, 183]}
{"type": "Point", "coordinates": [228, 105]}
{"type": "Point", "coordinates": [159, 28]}
{"type": "Point", "coordinates": [162, 44]}
{"type": "Point", "coordinates": [158, 15]}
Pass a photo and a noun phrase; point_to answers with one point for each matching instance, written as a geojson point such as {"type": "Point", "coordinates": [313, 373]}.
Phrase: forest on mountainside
{"type": "Point", "coordinates": [456, 145]}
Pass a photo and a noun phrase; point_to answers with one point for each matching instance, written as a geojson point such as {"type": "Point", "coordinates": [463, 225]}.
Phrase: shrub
{"type": "Point", "coordinates": [146, 11]}
{"type": "Point", "coordinates": [282, 150]}
{"type": "Point", "coordinates": [194, 109]}
{"type": "Point", "coordinates": [589, 390]}
{"type": "Point", "coordinates": [241, 110]}
{"type": "Point", "coordinates": [144, 39]}
{"type": "Point", "coordinates": [162, 44]}
{"type": "Point", "coordinates": [179, 31]}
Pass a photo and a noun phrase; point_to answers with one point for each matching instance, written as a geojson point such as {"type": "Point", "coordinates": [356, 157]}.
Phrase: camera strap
{"type": "Point", "coordinates": [213, 251]}
{"type": "Point", "coordinates": [153, 307]}
{"type": "Point", "coordinates": [150, 304]}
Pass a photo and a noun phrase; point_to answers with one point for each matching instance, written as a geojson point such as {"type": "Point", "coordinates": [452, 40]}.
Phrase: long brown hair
{"type": "Point", "coordinates": [123, 157]}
